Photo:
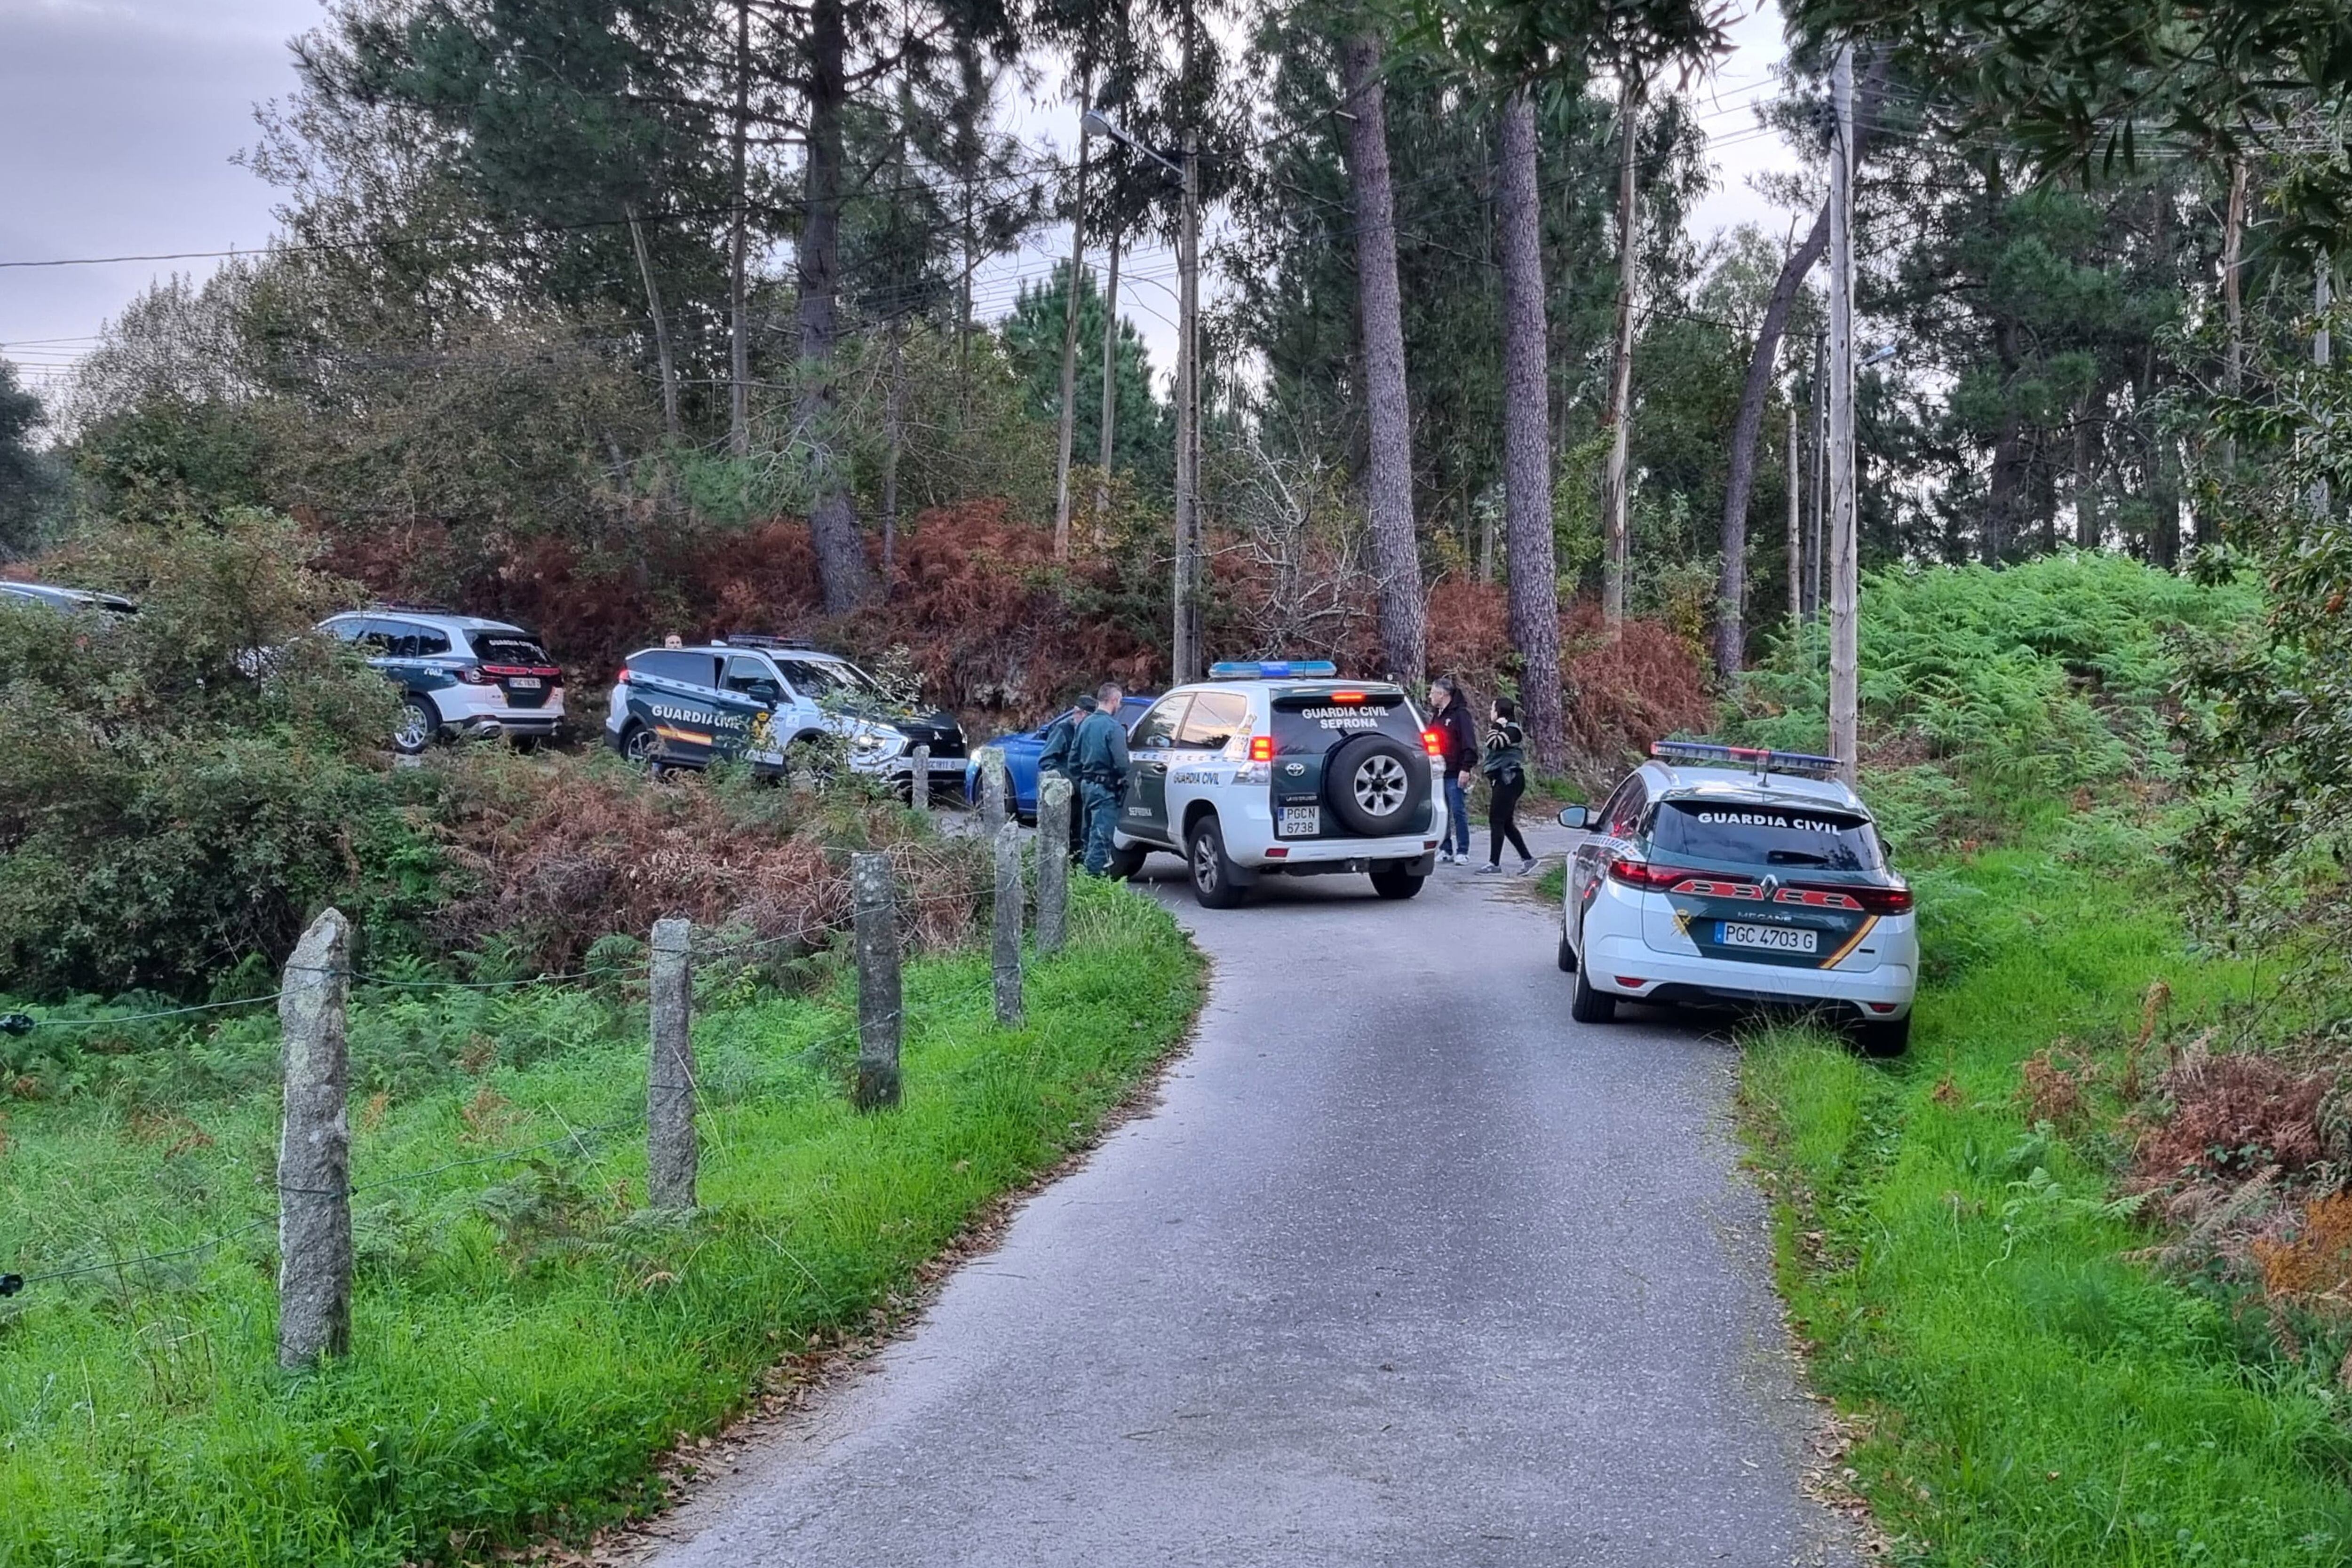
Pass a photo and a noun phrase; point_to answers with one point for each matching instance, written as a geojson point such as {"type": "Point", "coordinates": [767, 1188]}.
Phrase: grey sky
{"type": "Point", "coordinates": [122, 117]}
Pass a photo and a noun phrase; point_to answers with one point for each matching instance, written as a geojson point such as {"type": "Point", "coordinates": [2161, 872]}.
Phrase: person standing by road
{"type": "Point", "coordinates": [1098, 762]}
{"type": "Point", "coordinates": [1055, 757]}
{"type": "Point", "coordinates": [1450, 715]}
{"type": "Point", "coordinates": [1505, 767]}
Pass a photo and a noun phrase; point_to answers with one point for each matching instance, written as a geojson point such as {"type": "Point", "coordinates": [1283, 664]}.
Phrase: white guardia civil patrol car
{"type": "Point", "coordinates": [1281, 769]}
{"type": "Point", "coordinates": [1727, 875]}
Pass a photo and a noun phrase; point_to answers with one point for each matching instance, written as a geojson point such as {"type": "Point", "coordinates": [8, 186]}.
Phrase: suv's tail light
{"type": "Point", "coordinates": [475, 675]}
{"type": "Point", "coordinates": [622, 679]}
{"type": "Point", "coordinates": [1261, 748]}
{"type": "Point", "coordinates": [1433, 742]}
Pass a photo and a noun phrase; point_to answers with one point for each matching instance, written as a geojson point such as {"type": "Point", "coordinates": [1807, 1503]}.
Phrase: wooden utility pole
{"type": "Point", "coordinates": [1617, 481]}
{"type": "Point", "coordinates": [1070, 329]}
{"type": "Point", "coordinates": [1187, 639]}
{"type": "Point", "coordinates": [1844, 570]}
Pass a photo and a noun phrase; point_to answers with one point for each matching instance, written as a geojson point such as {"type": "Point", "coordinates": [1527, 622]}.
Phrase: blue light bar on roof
{"type": "Point", "coordinates": [1274, 670]}
{"type": "Point", "coordinates": [1764, 760]}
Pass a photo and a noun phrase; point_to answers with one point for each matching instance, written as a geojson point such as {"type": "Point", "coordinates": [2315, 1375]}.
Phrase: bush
{"type": "Point", "coordinates": [184, 785]}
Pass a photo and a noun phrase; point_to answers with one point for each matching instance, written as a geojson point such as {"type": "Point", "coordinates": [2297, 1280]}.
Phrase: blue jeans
{"type": "Point", "coordinates": [1457, 815]}
{"type": "Point", "coordinates": [1102, 815]}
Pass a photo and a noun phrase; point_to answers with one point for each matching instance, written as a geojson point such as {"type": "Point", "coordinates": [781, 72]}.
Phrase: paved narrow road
{"type": "Point", "coordinates": [1407, 1269]}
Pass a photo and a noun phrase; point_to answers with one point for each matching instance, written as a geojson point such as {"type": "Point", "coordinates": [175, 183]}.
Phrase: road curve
{"type": "Point", "coordinates": [1407, 1269]}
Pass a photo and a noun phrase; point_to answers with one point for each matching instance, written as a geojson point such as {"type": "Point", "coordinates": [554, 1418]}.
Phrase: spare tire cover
{"type": "Point", "coordinates": [1376, 786]}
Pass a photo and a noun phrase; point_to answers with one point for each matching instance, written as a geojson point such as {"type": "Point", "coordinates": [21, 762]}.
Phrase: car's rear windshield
{"type": "Point", "coordinates": [506, 648]}
{"type": "Point", "coordinates": [1318, 720]}
{"type": "Point", "coordinates": [1762, 835]}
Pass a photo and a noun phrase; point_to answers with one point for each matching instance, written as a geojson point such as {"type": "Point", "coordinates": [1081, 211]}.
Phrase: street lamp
{"type": "Point", "coordinates": [1186, 660]}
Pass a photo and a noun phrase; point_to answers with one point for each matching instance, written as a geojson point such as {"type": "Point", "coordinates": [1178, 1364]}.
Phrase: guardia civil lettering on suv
{"type": "Point", "coordinates": [458, 674]}
{"type": "Point", "coordinates": [1725, 875]}
{"type": "Point", "coordinates": [767, 702]}
{"type": "Point", "coordinates": [1280, 769]}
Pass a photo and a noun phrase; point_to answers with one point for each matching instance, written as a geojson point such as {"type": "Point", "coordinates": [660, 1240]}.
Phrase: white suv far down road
{"type": "Point", "coordinates": [1279, 769]}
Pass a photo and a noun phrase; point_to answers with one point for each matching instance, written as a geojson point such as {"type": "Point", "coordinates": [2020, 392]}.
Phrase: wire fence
{"type": "Point", "coordinates": [576, 1138]}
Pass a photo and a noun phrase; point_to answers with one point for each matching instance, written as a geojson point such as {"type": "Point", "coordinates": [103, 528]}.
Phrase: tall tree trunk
{"type": "Point", "coordinates": [1746, 429]}
{"type": "Point", "coordinates": [833, 524]}
{"type": "Point", "coordinates": [2008, 452]}
{"type": "Point", "coordinates": [2234, 228]}
{"type": "Point", "coordinates": [893, 442]}
{"type": "Point", "coordinates": [1796, 533]}
{"type": "Point", "coordinates": [1616, 482]}
{"type": "Point", "coordinates": [661, 325]}
{"type": "Point", "coordinates": [738, 324]}
{"type": "Point", "coordinates": [1527, 445]}
{"type": "Point", "coordinates": [1070, 330]}
{"type": "Point", "coordinates": [2083, 489]}
{"type": "Point", "coordinates": [1388, 474]}
{"type": "Point", "coordinates": [1109, 389]}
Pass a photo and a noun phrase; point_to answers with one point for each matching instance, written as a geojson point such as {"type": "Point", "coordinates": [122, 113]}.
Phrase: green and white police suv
{"type": "Point", "coordinates": [766, 701]}
{"type": "Point", "coordinates": [1281, 769]}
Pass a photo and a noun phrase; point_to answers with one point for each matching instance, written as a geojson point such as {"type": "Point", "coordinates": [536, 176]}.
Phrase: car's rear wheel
{"type": "Point", "coordinates": [640, 745]}
{"type": "Point", "coordinates": [1213, 873]}
{"type": "Point", "coordinates": [1587, 1004]}
{"type": "Point", "coordinates": [1396, 883]}
{"type": "Point", "coordinates": [417, 726]}
{"type": "Point", "coordinates": [1125, 863]}
{"type": "Point", "coordinates": [1884, 1039]}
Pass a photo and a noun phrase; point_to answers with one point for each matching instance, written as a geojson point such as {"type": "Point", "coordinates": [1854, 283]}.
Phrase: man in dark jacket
{"type": "Point", "coordinates": [1059, 737]}
{"type": "Point", "coordinates": [1061, 741]}
{"type": "Point", "coordinates": [1098, 762]}
{"type": "Point", "coordinates": [1450, 715]}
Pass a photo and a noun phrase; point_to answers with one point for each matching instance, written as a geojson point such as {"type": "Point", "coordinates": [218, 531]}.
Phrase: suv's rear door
{"type": "Point", "coordinates": [1310, 725]}
{"type": "Point", "coordinates": [1772, 884]}
{"type": "Point", "coordinates": [519, 665]}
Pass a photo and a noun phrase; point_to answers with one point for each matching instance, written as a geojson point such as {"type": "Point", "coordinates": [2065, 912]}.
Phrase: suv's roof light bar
{"type": "Point", "coordinates": [1765, 761]}
{"type": "Point", "coordinates": [759, 640]}
{"type": "Point", "coordinates": [409, 607]}
{"type": "Point", "coordinates": [1274, 670]}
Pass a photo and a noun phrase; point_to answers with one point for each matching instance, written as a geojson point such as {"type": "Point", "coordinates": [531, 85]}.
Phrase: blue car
{"type": "Point", "coordinates": [1021, 754]}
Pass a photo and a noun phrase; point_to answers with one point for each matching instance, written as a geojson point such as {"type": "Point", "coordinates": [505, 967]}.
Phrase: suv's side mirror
{"type": "Point", "coordinates": [1578, 817]}
{"type": "Point", "coordinates": [762, 691]}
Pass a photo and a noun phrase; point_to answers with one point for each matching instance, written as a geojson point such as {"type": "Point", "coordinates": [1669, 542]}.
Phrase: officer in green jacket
{"type": "Point", "coordinates": [1098, 763]}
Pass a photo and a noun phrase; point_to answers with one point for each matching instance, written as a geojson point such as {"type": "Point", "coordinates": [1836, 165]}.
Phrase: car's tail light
{"type": "Point", "coordinates": [1433, 742]}
{"type": "Point", "coordinates": [622, 679]}
{"type": "Point", "coordinates": [1261, 748]}
{"type": "Point", "coordinates": [1882, 900]}
{"type": "Point", "coordinates": [1642, 874]}
{"type": "Point", "coordinates": [475, 675]}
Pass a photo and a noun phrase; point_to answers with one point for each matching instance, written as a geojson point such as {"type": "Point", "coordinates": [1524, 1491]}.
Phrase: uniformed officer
{"type": "Point", "coordinates": [1098, 762]}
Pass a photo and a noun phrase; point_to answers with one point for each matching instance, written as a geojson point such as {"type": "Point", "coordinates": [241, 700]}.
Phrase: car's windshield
{"type": "Point", "coordinates": [1765, 835]}
{"type": "Point", "coordinates": [823, 678]}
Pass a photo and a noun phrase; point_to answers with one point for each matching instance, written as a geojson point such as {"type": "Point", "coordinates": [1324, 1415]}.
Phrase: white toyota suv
{"type": "Point", "coordinates": [1279, 769]}
{"type": "Point", "coordinates": [1720, 874]}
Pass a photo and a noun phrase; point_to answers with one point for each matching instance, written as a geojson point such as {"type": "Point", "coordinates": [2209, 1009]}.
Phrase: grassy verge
{"type": "Point", "coordinates": [525, 1343]}
{"type": "Point", "coordinates": [2028, 1394]}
